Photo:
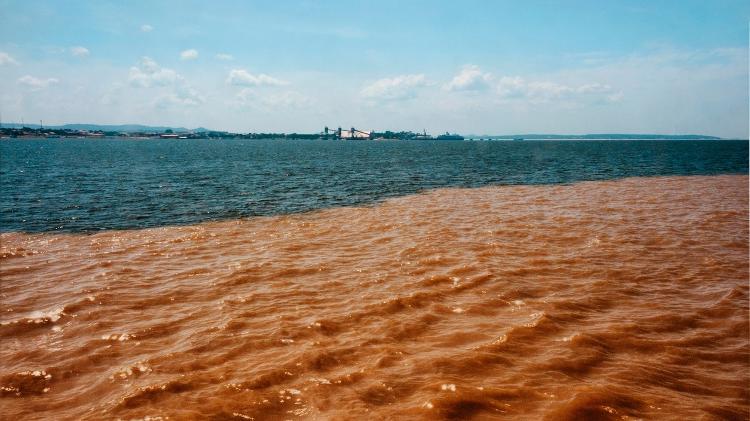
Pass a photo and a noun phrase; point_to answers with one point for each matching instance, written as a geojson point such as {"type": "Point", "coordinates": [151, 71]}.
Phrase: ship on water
{"type": "Point", "coordinates": [448, 136]}
{"type": "Point", "coordinates": [422, 136]}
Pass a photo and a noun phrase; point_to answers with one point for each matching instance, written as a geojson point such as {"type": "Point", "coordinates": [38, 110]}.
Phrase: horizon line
{"type": "Point", "coordinates": [610, 133]}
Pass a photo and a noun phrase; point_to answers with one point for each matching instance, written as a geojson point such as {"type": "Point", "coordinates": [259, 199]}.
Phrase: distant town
{"type": "Point", "coordinates": [169, 133]}
{"type": "Point", "coordinates": [93, 131]}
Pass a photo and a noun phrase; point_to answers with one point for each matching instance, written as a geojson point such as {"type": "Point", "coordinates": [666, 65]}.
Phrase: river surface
{"type": "Point", "coordinates": [85, 185]}
{"type": "Point", "coordinates": [616, 299]}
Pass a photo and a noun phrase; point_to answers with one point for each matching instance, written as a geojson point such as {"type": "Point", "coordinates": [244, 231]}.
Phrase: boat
{"type": "Point", "coordinates": [422, 136]}
{"type": "Point", "coordinates": [448, 136]}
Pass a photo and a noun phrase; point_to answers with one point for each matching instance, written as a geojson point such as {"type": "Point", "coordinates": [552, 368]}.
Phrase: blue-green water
{"type": "Point", "coordinates": [81, 185]}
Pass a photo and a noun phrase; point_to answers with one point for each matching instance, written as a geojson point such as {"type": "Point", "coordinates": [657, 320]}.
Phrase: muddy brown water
{"type": "Point", "coordinates": [619, 299]}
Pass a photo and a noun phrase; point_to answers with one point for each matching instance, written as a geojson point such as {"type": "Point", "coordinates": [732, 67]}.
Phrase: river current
{"type": "Point", "coordinates": [85, 185]}
{"type": "Point", "coordinates": [611, 299]}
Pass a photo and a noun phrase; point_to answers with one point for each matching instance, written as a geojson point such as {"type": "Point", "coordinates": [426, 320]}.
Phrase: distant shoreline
{"type": "Point", "coordinates": [136, 130]}
{"type": "Point", "coordinates": [608, 136]}
{"type": "Point", "coordinates": [291, 137]}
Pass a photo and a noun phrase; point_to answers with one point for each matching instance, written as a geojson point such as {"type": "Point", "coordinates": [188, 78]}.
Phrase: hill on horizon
{"type": "Point", "coordinates": [109, 127]}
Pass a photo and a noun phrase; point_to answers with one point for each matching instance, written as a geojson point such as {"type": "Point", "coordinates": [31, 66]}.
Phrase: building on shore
{"type": "Point", "coordinates": [354, 134]}
{"type": "Point", "coordinates": [351, 134]}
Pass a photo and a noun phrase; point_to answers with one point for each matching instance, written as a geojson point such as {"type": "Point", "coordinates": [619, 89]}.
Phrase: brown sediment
{"type": "Point", "coordinates": [601, 300]}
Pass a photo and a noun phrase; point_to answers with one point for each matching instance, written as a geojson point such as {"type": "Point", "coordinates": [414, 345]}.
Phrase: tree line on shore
{"type": "Point", "coordinates": [29, 132]}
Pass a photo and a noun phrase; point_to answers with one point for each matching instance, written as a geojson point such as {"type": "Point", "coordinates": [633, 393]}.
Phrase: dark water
{"type": "Point", "coordinates": [80, 185]}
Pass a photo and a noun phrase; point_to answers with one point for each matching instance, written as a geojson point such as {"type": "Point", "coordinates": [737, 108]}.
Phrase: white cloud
{"type": "Point", "coordinates": [190, 54]}
{"type": "Point", "coordinates": [683, 92]}
{"type": "Point", "coordinates": [36, 84]}
{"type": "Point", "coordinates": [511, 87]}
{"type": "Point", "coordinates": [148, 73]}
{"type": "Point", "coordinates": [5, 58]}
{"type": "Point", "coordinates": [470, 78]}
{"type": "Point", "coordinates": [241, 77]}
{"type": "Point", "coordinates": [225, 57]}
{"type": "Point", "coordinates": [184, 96]}
{"type": "Point", "coordinates": [173, 88]}
{"type": "Point", "coordinates": [546, 91]}
{"type": "Point", "coordinates": [273, 100]}
{"type": "Point", "coordinates": [79, 51]}
{"type": "Point", "coordinates": [187, 95]}
{"type": "Point", "coordinates": [146, 28]}
{"type": "Point", "coordinates": [399, 87]}
{"type": "Point", "coordinates": [594, 88]}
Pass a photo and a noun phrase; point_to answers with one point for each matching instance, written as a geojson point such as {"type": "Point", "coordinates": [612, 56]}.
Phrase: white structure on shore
{"type": "Point", "coordinates": [355, 134]}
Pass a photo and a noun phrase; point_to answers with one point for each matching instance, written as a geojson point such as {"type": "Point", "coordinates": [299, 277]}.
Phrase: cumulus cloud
{"type": "Point", "coordinates": [173, 88]}
{"type": "Point", "coordinates": [5, 58]}
{"type": "Point", "coordinates": [272, 100]}
{"type": "Point", "coordinates": [511, 87]}
{"type": "Point", "coordinates": [399, 87]}
{"type": "Point", "coordinates": [183, 95]}
{"type": "Point", "coordinates": [225, 57]}
{"type": "Point", "coordinates": [148, 73]}
{"type": "Point", "coordinates": [546, 91]}
{"type": "Point", "coordinates": [79, 51]}
{"type": "Point", "coordinates": [190, 54]}
{"type": "Point", "coordinates": [146, 28]}
{"type": "Point", "coordinates": [241, 77]}
{"type": "Point", "coordinates": [593, 88]}
{"type": "Point", "coordinates": [470, 78]}
{"type": "Point", "coordinates": [36, 84]}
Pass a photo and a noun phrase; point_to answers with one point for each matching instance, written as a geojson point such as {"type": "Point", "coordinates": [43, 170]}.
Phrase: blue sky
{"type": "Point", "coordinates": [470, 66]}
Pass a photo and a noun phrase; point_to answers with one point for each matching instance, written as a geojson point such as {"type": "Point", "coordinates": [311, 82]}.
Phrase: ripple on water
{"type": "Point", "coordinates": [602, 300]}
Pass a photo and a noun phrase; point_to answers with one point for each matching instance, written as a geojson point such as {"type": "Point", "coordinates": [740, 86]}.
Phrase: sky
{"type": "Point", "coordinates": [472, 67]}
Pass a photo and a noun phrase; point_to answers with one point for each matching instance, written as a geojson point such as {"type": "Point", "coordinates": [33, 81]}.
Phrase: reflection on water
{"type": "Point", "coordinates": [600, 300]}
